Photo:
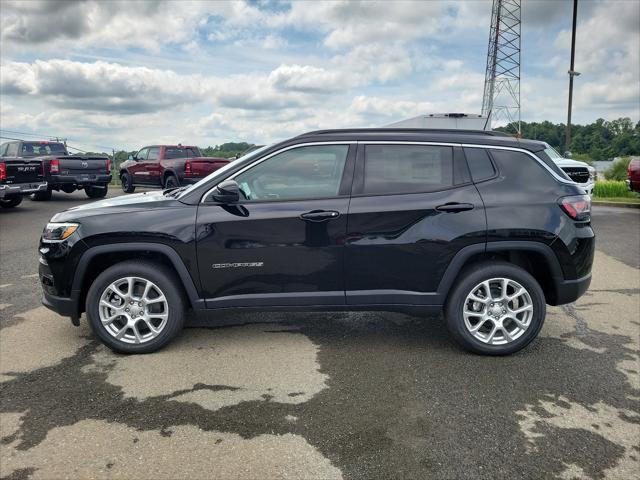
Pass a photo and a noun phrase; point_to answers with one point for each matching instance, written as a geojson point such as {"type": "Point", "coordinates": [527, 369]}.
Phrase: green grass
{"type": "Point", "coordinates": [635, 201]}
{"type": "Point", "coordinates": [612, 189]}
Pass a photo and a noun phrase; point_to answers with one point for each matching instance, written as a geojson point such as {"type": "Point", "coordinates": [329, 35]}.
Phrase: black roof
{"type": "Point", "coordinates": [479, 137]}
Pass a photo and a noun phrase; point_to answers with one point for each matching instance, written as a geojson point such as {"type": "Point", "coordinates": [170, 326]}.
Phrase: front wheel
{"type": "Point", "coordinates": [96, 191]}
{"type": "Point", "coordinates": [127, 183]}
{"type": "Point", "coordinates": [135, 307]}
{"type": "Point", "coordinates": [11, 202]}
{"type": "Point", "coordinates": [495, 308]}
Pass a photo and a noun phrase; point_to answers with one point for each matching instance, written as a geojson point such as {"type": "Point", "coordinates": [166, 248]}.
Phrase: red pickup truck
{"type": "Point", "coordinates": [633, 175]}
{"type": "Point", "coordinates": [167, 166]}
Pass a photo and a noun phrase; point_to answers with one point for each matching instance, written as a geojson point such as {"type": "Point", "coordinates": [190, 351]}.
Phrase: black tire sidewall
{"type": "Point", "coordinates": [42, 196]}
{"type": "Point", "coordinates": [127, 183]}
{"type": "Point", "coordinates": [171, 179]}
{"type": "Point", "coordinates": [96, 191]}
{"type": "Point", "coordinates": [159, 275]}
{"type": "Point", "coordinates": [472, 277]}
{"type": "Point", "coordinates": [11, 202]}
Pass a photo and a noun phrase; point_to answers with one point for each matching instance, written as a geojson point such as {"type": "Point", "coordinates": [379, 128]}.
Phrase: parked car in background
{"type": "Point", "coordinates": [580, 172]}
{"type": "Point", "coordinates": [62, 171]}
{"type": "Point", "coordinates": [18, 176]}
{"type": "Point", "coordinates": [478, 225]}
{"type": "Point", "coordinates": [167, 166]}
{"type": "Point", "coordinates": [633, 175]}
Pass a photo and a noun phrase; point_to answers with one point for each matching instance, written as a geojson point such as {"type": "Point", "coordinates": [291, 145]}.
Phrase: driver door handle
{"type": "Point", "coordinates": [320, 215]}
{"type": "Point", "coordinates": [454, 207]}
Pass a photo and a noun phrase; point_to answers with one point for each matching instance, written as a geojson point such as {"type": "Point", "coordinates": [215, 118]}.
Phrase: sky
{"type": "Point", "coordinates": [121, 75]}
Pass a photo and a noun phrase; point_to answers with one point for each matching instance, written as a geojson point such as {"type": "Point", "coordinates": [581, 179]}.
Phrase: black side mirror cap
{"type": "Point", "coordinates": [226, 192]}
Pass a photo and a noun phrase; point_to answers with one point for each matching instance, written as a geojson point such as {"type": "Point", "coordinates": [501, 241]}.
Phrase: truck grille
{"type": "Point", "coordinates": [577, 174]}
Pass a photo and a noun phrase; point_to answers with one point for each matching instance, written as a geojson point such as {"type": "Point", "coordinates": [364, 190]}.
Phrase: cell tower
{"type": "Point", "coordinates": [501, 99]}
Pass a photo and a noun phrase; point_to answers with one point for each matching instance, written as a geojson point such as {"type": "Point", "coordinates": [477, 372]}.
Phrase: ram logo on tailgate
{"type": "Point", "coordinates": [28, 168]}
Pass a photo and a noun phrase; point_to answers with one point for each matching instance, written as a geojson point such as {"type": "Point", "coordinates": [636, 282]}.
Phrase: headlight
{"type": "Point", "coordinates": [592, 173]}
{"type": "Point", "coordinates": [57, 232]}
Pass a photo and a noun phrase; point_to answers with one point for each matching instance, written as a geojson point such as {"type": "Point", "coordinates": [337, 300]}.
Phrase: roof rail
{"type": "Point", "coordinates": [491, 133]}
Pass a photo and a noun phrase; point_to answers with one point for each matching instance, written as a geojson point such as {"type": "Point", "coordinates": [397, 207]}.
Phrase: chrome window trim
{"type": "Point", "coordinates": [399, 142]}
{"type": "Point", "coordinates": [290, 147]}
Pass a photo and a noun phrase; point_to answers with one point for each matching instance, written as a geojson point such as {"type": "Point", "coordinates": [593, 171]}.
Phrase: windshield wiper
{"type": "Point", "coordinates": [173, 192]}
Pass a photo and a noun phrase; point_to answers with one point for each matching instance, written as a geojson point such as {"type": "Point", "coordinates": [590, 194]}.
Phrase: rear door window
{"type": "Point", "coordinates": [398, 169]}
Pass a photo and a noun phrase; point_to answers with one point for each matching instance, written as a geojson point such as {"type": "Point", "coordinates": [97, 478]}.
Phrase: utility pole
{"type": "Point", "coordinates": [572, 73]}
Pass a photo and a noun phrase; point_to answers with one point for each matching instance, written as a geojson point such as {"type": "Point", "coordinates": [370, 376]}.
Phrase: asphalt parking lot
{"type": "Point", "coordinates": [341, 395]}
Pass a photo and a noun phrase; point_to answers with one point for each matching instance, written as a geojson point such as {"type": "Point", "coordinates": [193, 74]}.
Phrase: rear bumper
{"type": "Point", "coordinates": [10, 190]}
{"type": "Point", "coordinates": [568, 291]}
{"type": "Point", "coordinates": [82, 179]}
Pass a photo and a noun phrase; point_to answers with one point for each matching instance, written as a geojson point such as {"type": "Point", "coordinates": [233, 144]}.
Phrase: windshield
{"type": "Point", "coordinates": [42, 148]}
{"type": "Point", "coordinates": [221, 172]}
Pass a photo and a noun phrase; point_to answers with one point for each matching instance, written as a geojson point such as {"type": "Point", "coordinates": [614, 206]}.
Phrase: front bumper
{"type": "Point", "coordinates": [10, 190]}
{"type": "Point", "coordinates": [82, 179]}
{"type": "Point", "coordinates": [65, 307]}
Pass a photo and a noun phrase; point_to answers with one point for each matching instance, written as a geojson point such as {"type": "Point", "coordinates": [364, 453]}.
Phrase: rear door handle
{"type": "Point", "coordinates": [320, 215]}
{"type": "Point", "coordinates": [454, 207]}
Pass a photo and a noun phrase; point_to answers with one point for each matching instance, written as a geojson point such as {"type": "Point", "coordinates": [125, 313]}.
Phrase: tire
{"type": "Point", "coordinates": [171, 182]}
{"type": "Point", "coordinates": [127, 183]}
{"type": "Point", "coordinates": [483, 313]}
{"type": "Point", "coordinates": [96, 191]}
{"type": "Point", "coordinates": [43, 196]}
{"type": "Point", "coordinates": [11, 202]}
{"type": "Point", "coordinates": [162, 280]}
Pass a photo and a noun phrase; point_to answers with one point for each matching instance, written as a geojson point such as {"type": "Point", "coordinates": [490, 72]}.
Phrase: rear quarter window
{"type": "Point", "coordinates": [520, 168]}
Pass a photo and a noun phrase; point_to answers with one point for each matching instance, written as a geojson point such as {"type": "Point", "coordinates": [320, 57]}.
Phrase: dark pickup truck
{"type": "Point", "coordinates": [18, 177]}
{"type": "Point", "coordinates": [62, 171]}
{"type": "Point", "coordinates": [167, 166]}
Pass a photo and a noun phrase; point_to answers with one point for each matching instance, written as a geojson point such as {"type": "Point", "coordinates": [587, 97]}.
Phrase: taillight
{"type": "Point", "coordinates": [187, 168]}
{"type": "Point", "coordinates": [578, 207]}
{"type": "Point", "coordinates": [3, 171]}
{"type": "Point", "coordinates": [54, 167]}
{"type": "Point", "coordinates": [108, 165]}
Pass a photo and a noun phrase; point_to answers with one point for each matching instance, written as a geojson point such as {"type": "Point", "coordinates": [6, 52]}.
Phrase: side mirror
{"type": "Point", "coordinates": [567, 154]}
{"type": "Point", "coordinates": [130, 157]}
{"type": "Point", "coordinates": [226, 192]}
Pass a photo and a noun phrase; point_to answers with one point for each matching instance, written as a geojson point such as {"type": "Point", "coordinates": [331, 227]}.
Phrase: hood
{"type": "Point", "coordinates": [567, 162]}
{"type": "Point", "coordinates": [121, 204]}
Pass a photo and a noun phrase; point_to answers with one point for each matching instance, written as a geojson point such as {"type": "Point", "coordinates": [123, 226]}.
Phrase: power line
{"type": "Point", "coordinates": [39, 135]}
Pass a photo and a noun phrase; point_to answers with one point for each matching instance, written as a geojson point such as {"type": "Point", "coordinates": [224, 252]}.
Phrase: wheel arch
{"type": "Point", "coordinates": [167, 173]}
{"type": "Point", "coordinates": [536, 258]}
{"type": "Point", "coordinates": [95, 259]}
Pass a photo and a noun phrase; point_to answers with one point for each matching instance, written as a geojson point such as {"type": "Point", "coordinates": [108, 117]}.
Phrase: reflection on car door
{"type": "Point", "coordinates": [282, 244]}
{"type": "Point", "coordinates": [413, 207]}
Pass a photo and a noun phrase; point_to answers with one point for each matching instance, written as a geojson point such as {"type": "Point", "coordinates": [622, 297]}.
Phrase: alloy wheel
{"type": "Point", "coordinates": [498, 311]}
{"type": "Point", "coordinates": [133, 310]}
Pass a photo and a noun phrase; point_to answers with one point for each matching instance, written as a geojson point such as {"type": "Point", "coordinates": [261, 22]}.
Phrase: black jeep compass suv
{"type": "Point", "coordinates": [479, 224]}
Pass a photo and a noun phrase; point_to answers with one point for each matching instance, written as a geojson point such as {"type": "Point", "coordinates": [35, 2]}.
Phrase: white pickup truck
{"type": "Point", "coordinates": [580, 172]}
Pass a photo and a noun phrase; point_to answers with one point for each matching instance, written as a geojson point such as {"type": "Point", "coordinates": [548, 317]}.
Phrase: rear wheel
{"type": "Point", "coordinates": [96, 191]}
{"type": "Point", "coordinates": [135, 307]}
{"type": "Point", "coordinates": [127, 183]}
{"type": "Point", "coordinates": [10, 202]}
{"type": "Point", "coordinates": [171, 182]}
{"type": "Point", "coordinates": [42, 196]}
{"type": "Point", "coordinates": [495, 308]}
